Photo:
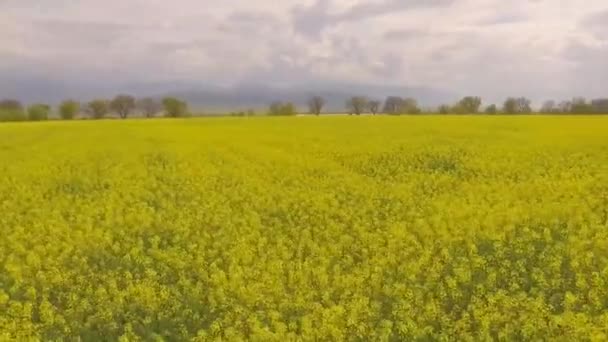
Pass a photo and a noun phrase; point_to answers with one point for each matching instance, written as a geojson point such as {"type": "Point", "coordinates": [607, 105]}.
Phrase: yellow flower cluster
{"type": "Point", "coordinates": [305, 229]}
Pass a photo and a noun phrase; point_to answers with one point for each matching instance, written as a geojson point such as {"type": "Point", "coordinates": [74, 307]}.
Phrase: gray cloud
{"type": "Point", "coordinates": [597, 19]}
{"type": "Point", "coordinates": [597, 24]}
{"type": "Point", "coordinates": [400, 35]}
{"type": "Point", "coordinates": [249, 22]}
{"type": "Point", "coordinates": [73, 33]}
{"type": "Point", "coordinates": [366, 10]}
{"type": "Point", "coordinates": [489, 47]}
{"type": "Point", "coordinates": [314, 19]}
{"type": "Point", "coordinates": [504, 18]}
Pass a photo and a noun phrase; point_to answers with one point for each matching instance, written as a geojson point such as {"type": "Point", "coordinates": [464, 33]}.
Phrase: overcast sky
{"type": "Point", "coordinates": [494, 48]}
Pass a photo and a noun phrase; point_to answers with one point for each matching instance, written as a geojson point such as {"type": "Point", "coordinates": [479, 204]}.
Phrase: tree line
{"type": "Point", "coordinates": [124, 106]}
{"type": "Point", "coordinates": [396, 105]}
{"type": "Point", "coordinates": [467, 105]}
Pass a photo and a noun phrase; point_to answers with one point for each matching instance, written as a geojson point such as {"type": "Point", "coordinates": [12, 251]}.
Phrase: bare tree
{"type": "Point", "coordinates": [374, 106]}
{"type": "Point", "coordinates": [520, 105]}
{"type": "Point", "coordinates": [565, 107]}
{"type": "Point", "coordinates": [357, 104]}
{"type": "Point", "coordinates": [316, 104]}
{"type": "Point", "coordinates": [149, 106]}
{"type": "Point", "coordinates": [123, 105]}
{"type": "Point", "coordinates": [548, 107]}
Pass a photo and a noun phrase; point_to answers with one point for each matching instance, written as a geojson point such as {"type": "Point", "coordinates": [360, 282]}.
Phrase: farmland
{"type": "Point", "coordinates": [305, 228]}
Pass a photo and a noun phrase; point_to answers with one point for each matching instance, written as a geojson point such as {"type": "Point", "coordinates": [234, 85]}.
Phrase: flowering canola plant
{"type": "Point", "coordinates": [305, 229]}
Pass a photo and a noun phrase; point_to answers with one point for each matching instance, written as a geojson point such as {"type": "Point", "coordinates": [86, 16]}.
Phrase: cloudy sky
{"type": "Point", "coordinates": [494, 48]}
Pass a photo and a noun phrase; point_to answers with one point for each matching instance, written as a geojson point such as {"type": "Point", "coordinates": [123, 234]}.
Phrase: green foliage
{"type": "Point", "coordinates": [12, 115]}
{"type": "Point", "coordinates": [242, 113]}
{"type": "Point", "coordinates": [68, 109]}
{"type": "Point", "coordinates": [282, 109]}
{"type": "Point", "coordinates": [38, 112]}
{"type": "Point", "coordinates": [98, 109]}
{"type": "Point", "coordinates": [581, 106]}
{"type": "Point", "coordinates": [11, 110]}
{"type": "Point", "coordinates": [491, 109]}
{"type": "Point", "coordinates": [600, 106]}
{"type": "Point", "coordinates": [444, 109]}
{"type": "Point", "coordinates": [410, 106]}
{"type": "Point", "coordinates": [376, 229]}
{"type": "Point", "coordinates": [175, 107]}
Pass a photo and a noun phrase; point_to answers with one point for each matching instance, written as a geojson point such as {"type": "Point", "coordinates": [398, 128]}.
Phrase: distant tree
{"type": "Point", "coordinates": [469, 105]}
{"type": "Point", "coordinates": [316, 104]}
{"type": "Point", "coordinates": [38, 112]}
{"type": "Point", "coordinates": [149, 106]}
{"type": "Point", "coordinates": [510, 106]}
{"type": "Point", "coordinates": [457, 109]}
{"type": "Point", "coordinates": [275, 108]}
{"type": "Point", "coordinates": [289, 109]}
{"type": "Point", "coordinates": [98, 109]}
{"type": "Point", "coordinates": [491, 109]}
{"type": "Point", "coordinates": [374, 106]}
{"type": "Point", "coordinates": [279, 108]}
{"type": "Point", "coordinates": [600, 106]}
{"type": "Point", "coordinates": [11, 105]}
{"type": "Point", "coordinates": [248, 112]}
{"type": "Point", "coordinates": [519, 105]}
{"type": "Point", "coordinates": [357, 104]}
{"type": "Point", "coordinates": [444, 109]}
{"type": "Point", "coordinates": [524, 105]}
{"type": "Point", "coordinates": [581, 106]}
{"type": "Point", "coordinates": [565, 107]}
{"type": "Point", "coordinates": [410, 106]}
{"type": "Point", "coordinates": [68, 109]}
{"type": "Point", "coordinates": [123, 105]}
{"type": "Point", "coordinates": [549, 107]}
{"type": "Point", "coordinates": [174, 107]}
{"type": "Point", "coordinates": [11, 110]}
{"type": "Point", "coordinates": [393, 105]}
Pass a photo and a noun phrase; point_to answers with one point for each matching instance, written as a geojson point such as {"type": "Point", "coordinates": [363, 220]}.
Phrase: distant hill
{"type": "Point", "coordinates": [210, 98]}
{"type": "Point", "coordinates": [260, 96]}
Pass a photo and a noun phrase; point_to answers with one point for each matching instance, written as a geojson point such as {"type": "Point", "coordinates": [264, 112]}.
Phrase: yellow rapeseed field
{"type": "Point", "coordinates": [305, 229]}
